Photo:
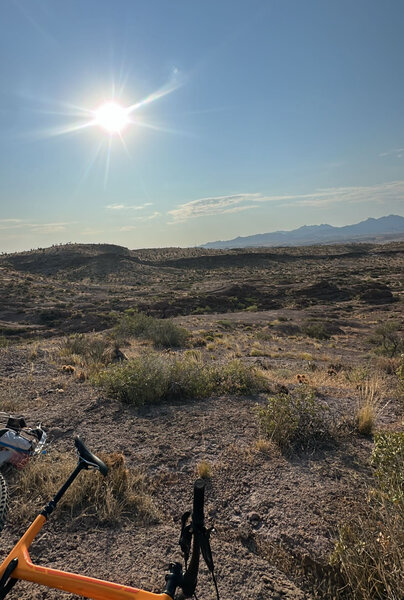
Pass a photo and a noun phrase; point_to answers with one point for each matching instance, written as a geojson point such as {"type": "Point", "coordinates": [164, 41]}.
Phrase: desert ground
{"type": "Point", "coordinates": [322, 324]}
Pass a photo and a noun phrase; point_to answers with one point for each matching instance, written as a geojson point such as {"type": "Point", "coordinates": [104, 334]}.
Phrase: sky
{"type": "Point", "coordinates": [244, 117]}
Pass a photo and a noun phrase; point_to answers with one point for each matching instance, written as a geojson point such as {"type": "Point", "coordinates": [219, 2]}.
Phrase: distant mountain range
{"type": "Point", "coordinates": [372, 230]}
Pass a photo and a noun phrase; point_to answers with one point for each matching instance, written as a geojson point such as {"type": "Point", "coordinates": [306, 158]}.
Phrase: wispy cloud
{"type": "Point", "coordinates": [140, 219]}
{"type": "Point", "coordinates": [378, 193]}
{"type": "Point", "coordinates": [154, 215]}
{"type": "Point", "coordinates": [18, 224]}
{"type": "Point", "coordinates": [214, 205]}
{"type": "Point", "coordinates": [129, 207]}
{"type": "Point", "coordinates": [396, 153]}
{"type": "Point", "coordinates": [128, 228]}
{"type": "Point", "coordinates": [218, 205]}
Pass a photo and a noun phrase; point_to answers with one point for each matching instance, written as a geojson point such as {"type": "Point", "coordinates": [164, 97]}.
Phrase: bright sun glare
{"type": "Point", "coordinates": [112, 117]}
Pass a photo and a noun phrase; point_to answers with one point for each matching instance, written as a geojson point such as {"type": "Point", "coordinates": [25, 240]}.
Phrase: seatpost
{"type": "Point", "coordinates": [50, 507]}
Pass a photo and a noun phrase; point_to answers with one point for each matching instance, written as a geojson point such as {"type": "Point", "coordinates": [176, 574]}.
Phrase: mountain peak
{"type": "Point", "coordinates": [371, 230]}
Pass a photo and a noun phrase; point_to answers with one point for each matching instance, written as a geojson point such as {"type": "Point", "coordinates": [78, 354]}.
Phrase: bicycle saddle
{"type": "Point", "coordinates": [88, 457]}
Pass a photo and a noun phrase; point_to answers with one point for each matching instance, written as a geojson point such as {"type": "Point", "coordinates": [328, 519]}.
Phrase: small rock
{"type": "Point", "coordinates": [254, 518]}
{"type": "Point", "coordinates": [56, 432]}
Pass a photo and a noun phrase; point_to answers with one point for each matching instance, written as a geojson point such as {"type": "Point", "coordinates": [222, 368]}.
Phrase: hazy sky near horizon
{"type": "Point", "coordinates": [248, 116]}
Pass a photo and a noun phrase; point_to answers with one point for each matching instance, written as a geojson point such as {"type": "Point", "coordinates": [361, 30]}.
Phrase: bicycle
{"type": "Point", "coordinates": [18, 565]}
{"type": "Point", "coordinates": [18, 444]}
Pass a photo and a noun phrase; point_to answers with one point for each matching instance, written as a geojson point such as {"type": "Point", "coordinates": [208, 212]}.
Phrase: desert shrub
{"type": "Point", "coordinates": [165, 334]}
{"type": "Point", "coordinates": [226, 324]}
{"type": "Point", "coordinates": [123, 493]}
{"type": "Point", "coordinates": [252, 308]}
{"type": "Point", "coordinates": [162, 332]}
{"type": "Point", "coordinates": [152, 378]}
{"type": "Point", "coordinates": [316, 329]}
{"type": "Point", "coordinates": [91, 349]}
{"type": "Point", "coordinates": [387, 339]}
{"type": "Point", "coordinates": [293, 421]}
{"type": "Point", "coordinates": [388, 459]}
{"type": "Point", "coordinates": [386, 365]}
{"type": "Point", "coordinates": [370, 548]}
{"type": "Point", "coordinates": [400, 376]}
{"type": "Point", "coordinates": [50, 315]}
{"type": "Point", "coordinates": [143, 380]}
{"type": "Point", "coordinates": [234, 377]}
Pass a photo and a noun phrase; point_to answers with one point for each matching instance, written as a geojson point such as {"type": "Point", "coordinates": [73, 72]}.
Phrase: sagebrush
{"type": "Point", "coordinates": [295, 420]}
{"type": "Point", "coordinates": [162, 332]}
{"type": "Point", "coordinates": [152, 378]}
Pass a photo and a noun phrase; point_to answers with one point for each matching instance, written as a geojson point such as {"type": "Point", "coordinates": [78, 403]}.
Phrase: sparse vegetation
{"type": "Point", "coordinates": [370, 404]}
{"type": "Point", "coordinates": [204, 469]}
{"type": "Point", "coordinates": [122, 494]}
{"type": "Point", "coordinates": [388, 459]}
{"type": "Point", "coordinates": [92, 288]}
{"type": "Point", "coordinates": [162, 332]}
{"type": "Point", "coordinates": [294, 421]}
{"type": "Point", "coordinates": [152, 378]}
{"type": "Point", "coordinates": [92, 351]}
{"type": "Point", "coordinates": [263, 445]}
{"type": "Point", "coordinates": [316, 329]}
{"type": "Point", "coordinates": [387, 339]}
{"type": "Point", "coordinates": [370, 549]}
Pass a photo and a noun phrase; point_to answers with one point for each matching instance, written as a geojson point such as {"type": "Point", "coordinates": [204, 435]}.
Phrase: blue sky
{"type": "Point", "coordinates": [261, 115]}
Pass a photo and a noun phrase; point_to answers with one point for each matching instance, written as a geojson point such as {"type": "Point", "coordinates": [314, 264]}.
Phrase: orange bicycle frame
{"type": "Point", "coordinates": [88, 587]}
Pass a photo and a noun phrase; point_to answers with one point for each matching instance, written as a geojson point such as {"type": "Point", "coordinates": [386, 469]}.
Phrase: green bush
{"type": "Point", "coordinates": [153, 378]}
{"type": "Point", "coordinates": [370, 548]}
{"type": "Point", "coordinates": [388, 339]}
{"type": "Point", "coordinates": [162, 332]}
{"type": "Point", "coordinates": [315, 329]}
{"type": "Point", "coordinates": [293, 421]}
{"type": "Point", "coordinates": [400, 376]}
{"type": "Point", "coordinates": [388, 458]}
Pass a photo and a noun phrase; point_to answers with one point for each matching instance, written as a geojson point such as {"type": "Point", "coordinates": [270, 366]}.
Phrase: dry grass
{"type": "Point", "coordinates": [370, 404]}
{"type": "Point", "coordinates": [263, 446]}
{"type": "Point", "coordinates": [122, 494]}
{"type": "Point", "coordinates": [370, 549]}
{"type": "Point", "coordinates": [204, 469]}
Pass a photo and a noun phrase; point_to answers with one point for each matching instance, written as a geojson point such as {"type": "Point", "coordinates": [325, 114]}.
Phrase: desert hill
{"type": "Point", "coordinates": [79, 287]}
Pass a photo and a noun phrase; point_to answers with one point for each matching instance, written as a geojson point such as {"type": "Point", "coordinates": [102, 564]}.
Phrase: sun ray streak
{"type": "Point", "coordinates": [163, 91]}
{"type": "Point", "coordinates": [149, 125]}
{"type": "Point", "coordinates": [107, 162]}
{"type": "Point", "coordinates": [124, 144]}
{"type": "Point", "coordinates": [90, 164]}
{"type": "Point", "coordinates": [66, 129]}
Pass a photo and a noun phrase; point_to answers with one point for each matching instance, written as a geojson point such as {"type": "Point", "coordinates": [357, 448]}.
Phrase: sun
{"type": "Point", "coordinates": [112, 117]}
